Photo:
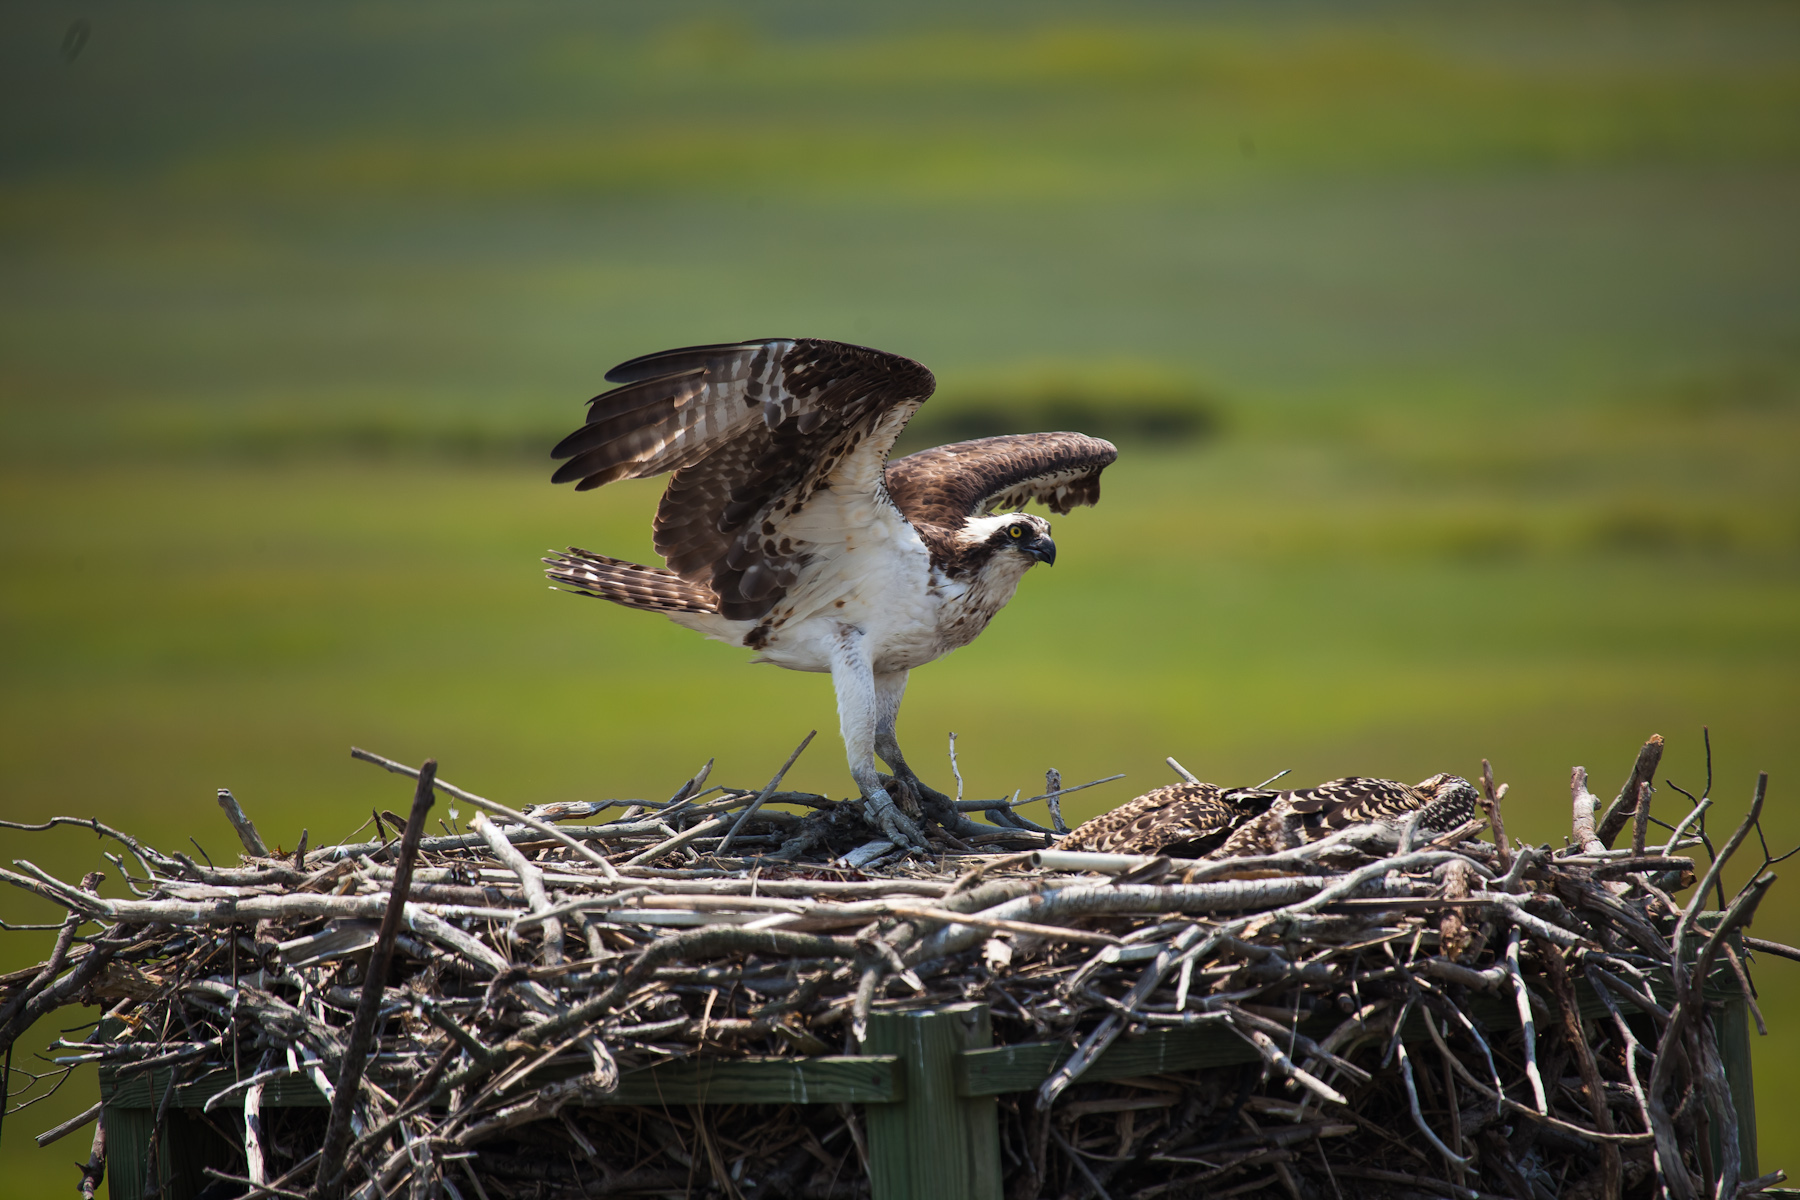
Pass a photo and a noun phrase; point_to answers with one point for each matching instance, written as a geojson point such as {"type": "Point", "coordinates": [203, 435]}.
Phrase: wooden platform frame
{"type": "Point", "coordinates": [928, 1086]}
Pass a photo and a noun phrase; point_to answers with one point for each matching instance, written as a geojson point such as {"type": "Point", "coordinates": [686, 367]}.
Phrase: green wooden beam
{"type": "Point", "coordinates": [834, 1079]}
{"type": "Point", "coordinates": [144, 1089]}
{"type": "Point", "coordinates": [846, 1079]}
{"type": "Point", "coordinates": [938, 1145]}
{"type": "Point", "coordinates": [1023, 1066]}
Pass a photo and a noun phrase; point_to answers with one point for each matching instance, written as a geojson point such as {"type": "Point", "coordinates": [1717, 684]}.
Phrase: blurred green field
{"type": "Point", "coordinates": [1482, 326]}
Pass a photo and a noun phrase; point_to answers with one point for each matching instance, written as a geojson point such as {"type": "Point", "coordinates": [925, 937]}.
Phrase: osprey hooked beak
{"type": "Point", "coordinates": [1041, 548]}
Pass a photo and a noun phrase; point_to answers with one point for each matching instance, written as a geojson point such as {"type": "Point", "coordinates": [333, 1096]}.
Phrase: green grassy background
{"type": "Point", "coordinates": [1491, 316]}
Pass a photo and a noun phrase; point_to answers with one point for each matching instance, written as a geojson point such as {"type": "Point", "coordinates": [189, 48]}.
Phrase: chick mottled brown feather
{"type": "Point", "coordinates": [1186, 815]}
{"type": "Point", "coordinates": [1303, 815]}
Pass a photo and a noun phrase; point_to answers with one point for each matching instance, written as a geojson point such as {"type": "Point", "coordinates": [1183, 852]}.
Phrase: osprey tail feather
{"type": "Point", "coordinates": [650, 588]}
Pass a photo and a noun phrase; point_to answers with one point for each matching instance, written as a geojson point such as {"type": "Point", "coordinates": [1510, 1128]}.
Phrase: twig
{"type": "Point", "coordinates": [1640, 829]}
{"type": "Point", "coordinates": [669, 845]}
{"type": "Point", "coordinates": [253, 1136]}
{"type": "Point", "coordinates": [1187, 776]}
{"type": "Point", "coordinates": [1412, 1100]}
{"type": "Point", "coordinates": [57, 1132]}
{"type": "Point", "coordinates": [1087, 1172]}
{"type": "Point", "coordinates": [1643, 771]}
{"type": "Point", "coordinates": [331, 1178]}
{"type": "Point", "coordinates": [246, 829]}
{"type": "Point", "coordinates": [1584, 802]}
{"type": "Point", "coordinates": [1764, 946]}
{"type": "Point", "coordinates": [763, 795]}
{"type": "Point", "coordinates": [499, 810]}
{"type": "Point", "coordinates": [530, 879]}
{"type": "Point", "coordinates": [93, 1171]}
{"type": "Point", "coordinates": [1527, 1023]}
{"type": "Point", "coordinates": [1612, 1177]}
{"type": "Point", "coordinates": [1490, 801]}
{"type": "Point", "coordinates": [1053, 795]}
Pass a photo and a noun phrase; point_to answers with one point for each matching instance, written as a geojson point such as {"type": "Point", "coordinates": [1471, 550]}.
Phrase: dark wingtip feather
{"type": "Point", "coordinates": [666, 362]}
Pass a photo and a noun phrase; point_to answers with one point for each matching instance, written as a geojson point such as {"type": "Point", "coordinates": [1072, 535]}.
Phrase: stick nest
{"type": "Point", "coordinates": [1457, 1018]}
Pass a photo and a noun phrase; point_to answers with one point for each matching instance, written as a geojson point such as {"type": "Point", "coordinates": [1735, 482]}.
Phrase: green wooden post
{"type": "Point", "coordinates": [185, 1147]}
{"type": "Point", "coordinates": [936, 1144]}
{"type": "Point", "coordinates": [1731, 1021]}
{"type": "Point", "coordinates": [128, 1133]}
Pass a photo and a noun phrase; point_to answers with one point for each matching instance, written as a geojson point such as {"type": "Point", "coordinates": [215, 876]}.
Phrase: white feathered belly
{"type": "Point", "coordinates": [878, 580]}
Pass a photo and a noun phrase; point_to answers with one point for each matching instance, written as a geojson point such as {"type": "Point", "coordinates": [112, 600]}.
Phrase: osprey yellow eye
{"type": "Point", "coordinates": [1016, 531]}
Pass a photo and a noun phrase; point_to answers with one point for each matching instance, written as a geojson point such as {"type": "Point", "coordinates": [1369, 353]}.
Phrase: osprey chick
{"type": "Point", "coordinates": [1303, 815]}
{"type": "Point", "coordinates": [1205, 820]}
{"type": "Point", "coordinates": [1183, 819]}
{"type": "Point", "coordinates": [788, 532]}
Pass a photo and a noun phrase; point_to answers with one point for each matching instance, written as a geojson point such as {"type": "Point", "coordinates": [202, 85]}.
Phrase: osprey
{"type": "Point", "coordinates": [787, 531]}
{"type": "Point", "coordinates": [1203, 819]}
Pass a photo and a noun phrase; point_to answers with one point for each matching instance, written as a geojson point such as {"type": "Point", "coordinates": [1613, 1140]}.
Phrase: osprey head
{"type": "Point", "coordinates": [1450, 800]}
{"type": "Point", "coordinates": [1019, 533]}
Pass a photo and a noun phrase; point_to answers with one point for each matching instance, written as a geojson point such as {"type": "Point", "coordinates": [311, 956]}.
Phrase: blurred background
{"type": "Point", "coordinates": [1453, 353]}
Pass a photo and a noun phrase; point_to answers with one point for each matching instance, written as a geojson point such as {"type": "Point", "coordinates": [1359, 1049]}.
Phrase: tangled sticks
{"type": "Point", "coordinates": [1371, 1013]}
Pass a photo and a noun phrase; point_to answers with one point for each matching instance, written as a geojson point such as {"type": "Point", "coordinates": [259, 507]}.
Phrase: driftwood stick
{"type": "Point", "coordinates": [1643, 771]}
{"type": "Point", "coordinates": [362, 1032]}
{"type": "Point", "coordinates": [763, 796]}
{"type": "Point", "coordinates": [1612, 1171]}
{"type": "Point", "coordinates": [1585, 836]}
{"type": "Point", "coordinates": [1764, 946]}
{"type": "Point", "coordinates": [1412, 1100]}
{"type": "Point", "coordinates": [1640, 826]}
{"type": "Point", "coordinates": [1052, 932]}
{"type": "Point", "coordinates": [1527, 1024]}
{"type": "Point", "coordinates": [1684, 926]}
{"type": "Point", "coordinates": [696, 943]}
{"type": "Point", "coordinates": [253, 1136]}
{"type": "Point", "coordinates": [57, 1132]}
{"type": "Point", "coordinates": [143, 853]}
{"type": "Point", "coordinates": [1694, 814]}
{"type": "Point", "coordinates": [1688, 982]}
{"type": "Point", "coordinates": [670, 845]}
{"type": "Point", "coordinates": [1053, 793]}
{"type": "Point", "coordinates": [1490, 801]}
{"type": "Point", "coordinates": [531, 880]}
{"type": "Point", "coordinates": [1603, 984]}
{"type": "Point", "coordinates": [1282, 1065]}
{"type": "Point", "coordinates": [246, 829]}
{"type": "Point", "coordinates": [59, 954]}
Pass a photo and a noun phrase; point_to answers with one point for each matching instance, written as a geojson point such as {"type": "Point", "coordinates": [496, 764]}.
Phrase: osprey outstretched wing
{"type": "Point", "coordinates": [786, 530]}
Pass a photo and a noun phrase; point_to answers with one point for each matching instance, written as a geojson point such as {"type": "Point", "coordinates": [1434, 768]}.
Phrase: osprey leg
{"type": "Point", "coordinates": [859, 718]}
{"type": "Point", "coordinates": [889, 689]}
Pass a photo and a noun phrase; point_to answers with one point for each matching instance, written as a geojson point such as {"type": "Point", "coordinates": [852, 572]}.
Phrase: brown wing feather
{"type": "Point", "coordinates": [751, 431]}
{"type": "Point", "coordinates": [1308, 814]}
{"type": "Point", "coordinates": [1355, 800]}
{"type": "Point", "coordinates": [1169, 816]}
{"type": "Point", "coordinates": [946, 486]}
{"type": "Point", "coordinates": [628, 583]}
